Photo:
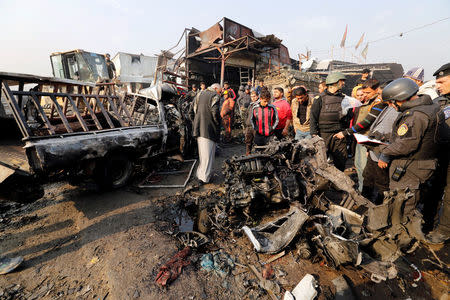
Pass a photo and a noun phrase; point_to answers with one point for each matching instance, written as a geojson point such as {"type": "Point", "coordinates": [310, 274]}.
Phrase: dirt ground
{"type": "Point", "coordinates": [79, 243]}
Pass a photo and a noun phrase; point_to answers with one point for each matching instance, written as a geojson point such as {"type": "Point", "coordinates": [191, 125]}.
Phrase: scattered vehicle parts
{"type": "Point", "coordinates": [275, 236]}
{"type": "Point", "coordinates": [379, 270]}
{"type": "Point", "coordinates": [172, 269]}
{"type": "Point", "coordinates": [271, 287]}
{"type": "Point", "coordinates": [147, 184]}
{"type": "Point", "coordinates": [274, 258]}
{"type": "Point", "coordinates": [306, 289]}
{"type": "Point", "coordinates": [192, 239]}
{"type": "Point", "coordinates": [343, 289]}
{"type": "Point", "coordinates": [340, 227]}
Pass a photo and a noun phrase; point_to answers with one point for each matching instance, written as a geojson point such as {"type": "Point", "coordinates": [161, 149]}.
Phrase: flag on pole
{"type": "Point", "coordinates": [364, 52]}
{"type": "Point", "coordinates": [360, 41]}
{"type": "Point", "coordinates": [344, 37]}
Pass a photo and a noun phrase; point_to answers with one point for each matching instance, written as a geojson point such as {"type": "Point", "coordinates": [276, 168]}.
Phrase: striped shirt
{"type": "Point", "coordinates": [264, 119]}
{"type": "Point", "coordinates": [364, 125]}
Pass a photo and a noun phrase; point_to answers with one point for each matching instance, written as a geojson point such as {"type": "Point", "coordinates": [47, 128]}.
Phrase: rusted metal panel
{"type": "Point", "coordinates": [240, 62]}
{"type": "Point", "coordinates": [210, 36]}
{"type": "Point", "coordinates": [280, 56]}
{"type": "Point", "coordinates": [234, 30]}
{"type": "Point", "coordinates": [284, 55]}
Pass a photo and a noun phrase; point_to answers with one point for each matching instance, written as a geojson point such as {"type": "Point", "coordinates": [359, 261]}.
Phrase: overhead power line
{"type": "Point", "coordinates": [400, 34]}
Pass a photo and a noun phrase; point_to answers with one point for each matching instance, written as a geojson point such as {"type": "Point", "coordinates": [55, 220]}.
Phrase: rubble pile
{"type": "Point", "coordinates": [328, 218]}
{"type": "Point", "coordinates": [288, 78]}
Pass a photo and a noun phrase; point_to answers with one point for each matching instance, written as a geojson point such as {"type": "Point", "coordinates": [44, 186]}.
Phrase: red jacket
{"type": "Point", "coordinates": [284, 112]}
{"type": "Point", "coordinates": [264, 119]}
{"type": "Point", "coordinates": [231, 93]}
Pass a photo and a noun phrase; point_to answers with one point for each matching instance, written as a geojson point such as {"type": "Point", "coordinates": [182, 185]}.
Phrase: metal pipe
{"type": "Point", "coordinates": [222, 71]}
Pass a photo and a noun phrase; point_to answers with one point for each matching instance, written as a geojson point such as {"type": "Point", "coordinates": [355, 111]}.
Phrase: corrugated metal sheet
{"type": "Point", "coordinates": [135, 67]}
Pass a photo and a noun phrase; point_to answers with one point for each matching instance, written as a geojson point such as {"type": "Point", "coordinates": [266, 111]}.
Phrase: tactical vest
{"type": "Point", "coordinates": [442, 136]}
{"type": "Point", "coordinates": [427, 148]}
{"type": "Point", "coordinates": [442, 100]}
{"type": "Point", "coordinates": [330, 113]}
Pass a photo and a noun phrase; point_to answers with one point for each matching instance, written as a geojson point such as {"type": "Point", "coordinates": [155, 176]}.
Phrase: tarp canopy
{"type": "Point", "coordinates": [155, 92]}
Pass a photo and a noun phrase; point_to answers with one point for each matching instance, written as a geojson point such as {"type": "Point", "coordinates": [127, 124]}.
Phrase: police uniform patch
{"type": "Point", "coordinates": [402, 130]}
{"type": "Point", "coordinates": [447, 112]}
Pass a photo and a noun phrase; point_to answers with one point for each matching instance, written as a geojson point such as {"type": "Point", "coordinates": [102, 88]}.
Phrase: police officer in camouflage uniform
{"type": "Point", "coordinates": [442, 232]}
{"type": "Point", "coordinates": [412, 151]}
{"type": "Point", "coordinates": [326, 119]}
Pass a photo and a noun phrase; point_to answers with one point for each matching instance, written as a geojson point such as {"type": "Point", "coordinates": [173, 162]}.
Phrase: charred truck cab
{"type": "Point", "coordinates": [65, 128]}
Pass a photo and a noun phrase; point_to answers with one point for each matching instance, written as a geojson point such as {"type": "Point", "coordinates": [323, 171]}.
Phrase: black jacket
{"type": "Point", "coordinates": [207, 115]}
{"type": "Point", "coordinates": [244, 101]}
{"type": "Point", "coordinates": [412, 144]}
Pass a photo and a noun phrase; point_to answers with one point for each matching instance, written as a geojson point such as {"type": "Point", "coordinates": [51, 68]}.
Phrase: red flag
{"type": "Point", "coordinates": [360, 41]}
{"type": "Point", "coordinates": [344, 37]}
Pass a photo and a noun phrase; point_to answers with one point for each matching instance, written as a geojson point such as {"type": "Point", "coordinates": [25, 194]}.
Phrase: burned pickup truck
{"type": "Point", "coordinates": [57, 128]}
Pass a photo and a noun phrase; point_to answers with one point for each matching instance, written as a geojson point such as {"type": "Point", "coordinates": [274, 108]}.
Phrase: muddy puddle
{"type": "Point", "coordinates": [191, 218]}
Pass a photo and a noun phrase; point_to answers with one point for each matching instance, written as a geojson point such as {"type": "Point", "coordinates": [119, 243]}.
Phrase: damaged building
{"type": "Point", "coordinates": [381, 71]}
{"type": "Point", "coordinates": [229, 51]}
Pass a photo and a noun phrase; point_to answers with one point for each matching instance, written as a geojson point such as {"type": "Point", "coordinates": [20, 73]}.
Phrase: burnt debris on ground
{"type": "Point", "coordinates": [286, 202]}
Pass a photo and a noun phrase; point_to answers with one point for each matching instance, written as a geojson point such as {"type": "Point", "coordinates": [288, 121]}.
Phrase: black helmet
{"type": "Point", "coordinates": [399, 90]}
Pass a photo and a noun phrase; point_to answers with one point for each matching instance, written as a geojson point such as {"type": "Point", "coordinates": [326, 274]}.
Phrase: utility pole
{"type": "Point", "coordinates": [300, 57]}
{"type": "Point", "coordinates": [300, 62]}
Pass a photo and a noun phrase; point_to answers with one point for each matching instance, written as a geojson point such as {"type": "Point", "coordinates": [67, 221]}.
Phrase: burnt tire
{"type": "Point", "coordinates": [113, 171]}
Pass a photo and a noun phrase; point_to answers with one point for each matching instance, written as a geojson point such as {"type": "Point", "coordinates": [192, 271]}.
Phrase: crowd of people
{"type": "Point", "coordinates": [397, 132]}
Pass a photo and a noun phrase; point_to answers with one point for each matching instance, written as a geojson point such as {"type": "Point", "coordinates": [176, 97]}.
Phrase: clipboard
{"type": "Point", "coordinates": [364, 139]}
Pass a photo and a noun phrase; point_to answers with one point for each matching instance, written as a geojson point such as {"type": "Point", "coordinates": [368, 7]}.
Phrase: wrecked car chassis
{"type": "Point", "coordinates": [328, 218]}
{"type": "Point", "coordinates": [74, 130]}
{"type": "Point", "coordinates": [53, 153]}
{"type": "Point", "coordinates": [288, 171]}
{"type": "Point", "coordinates": [257, 177]}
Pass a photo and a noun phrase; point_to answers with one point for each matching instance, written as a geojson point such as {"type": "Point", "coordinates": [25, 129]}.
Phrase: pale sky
{"type": "Point", "coordinates": [31, 30]}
